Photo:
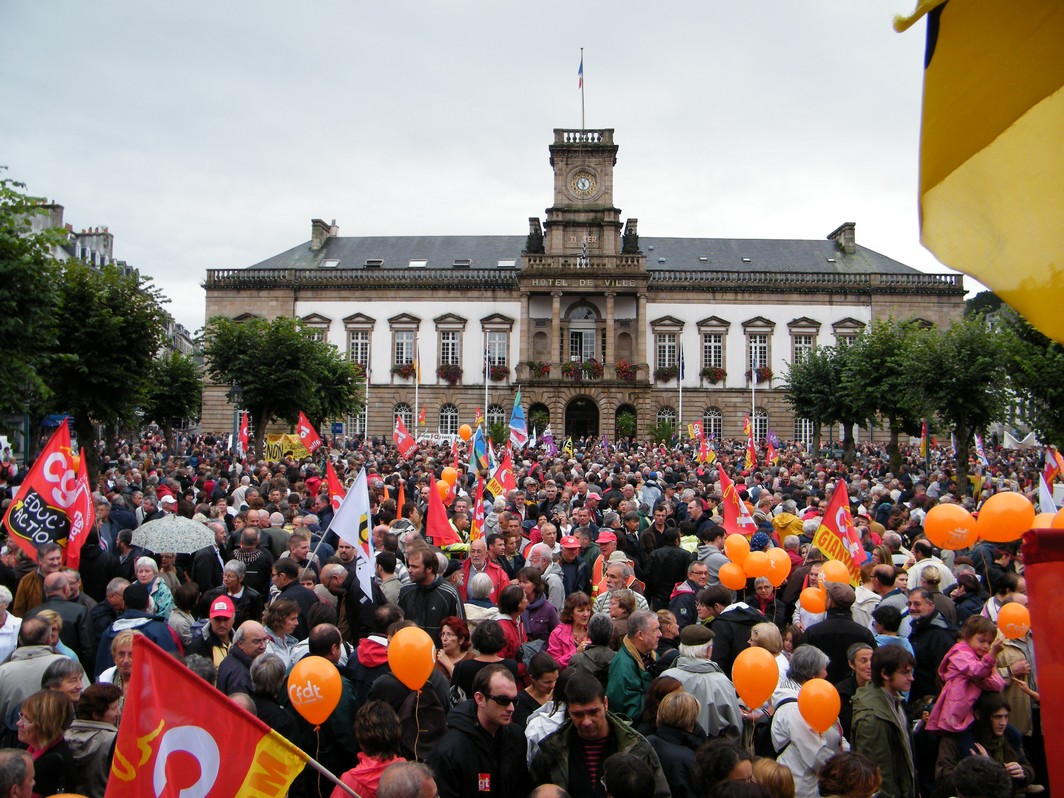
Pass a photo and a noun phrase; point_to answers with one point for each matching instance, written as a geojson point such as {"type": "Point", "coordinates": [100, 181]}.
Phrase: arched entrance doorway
{"type": "Point", "coordinates": [582, 418]}
{"type": "Point", "coordinates": [625, 422]}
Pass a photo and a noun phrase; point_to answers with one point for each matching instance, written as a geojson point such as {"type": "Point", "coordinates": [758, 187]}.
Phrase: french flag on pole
{"type": "Point", "coordinates": [580, 73]}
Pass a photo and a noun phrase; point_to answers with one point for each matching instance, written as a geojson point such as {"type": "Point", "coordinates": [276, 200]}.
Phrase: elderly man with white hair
{"type": "Point", "coordinates": [704, 679]}
{"type": "Point", "coordinates": [541, 558]}
{"type": "Point", "coordinates": [9, 625]}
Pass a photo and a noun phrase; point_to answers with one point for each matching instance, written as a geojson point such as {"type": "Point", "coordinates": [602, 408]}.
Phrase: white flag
{"type": "Point", "coordinates": [352, 522]}
{"type": "Point", "coordinates": [1045, 497]}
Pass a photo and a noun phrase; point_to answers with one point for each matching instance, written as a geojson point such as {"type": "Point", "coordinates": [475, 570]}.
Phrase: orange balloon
{"type": "Point", "coordinates": [950, 526]}
{"type": "Point", "coordinates": [1004, 517]}
{"type": "Point", "coordinates": [756, 564]}
{"type": "Point", "coordinates": [1014, 620]}
{"type": "Point", "coordinates": [465, 432]}
{"type": "Point", "coordinates": [443, 487]}
{"type": "Point", "coordinates": [1043, 521]}
{"type": "Point", "coordinates": [813, 599]}
{"type": "Point", "coordinates": [737, 547]}
{"type": "Point", "coordinates": [819, 703]}
{"type": "Point", "coordinates": [450, 475]}
{"type": "Point", "coordinates": [314, 688]}
{"type": "Point", "coordinates": [835, 571]}
{"type": "Point", "coordinates": [779, 566]}
{"type": "Point", "coordinates": [732, 576]}
{"type": "Point", "coordinates": [412, 656]}
{"type": "Point", "coordinates": [1058, 520]}
{"type": "Point", "coordinates": [755, 675]}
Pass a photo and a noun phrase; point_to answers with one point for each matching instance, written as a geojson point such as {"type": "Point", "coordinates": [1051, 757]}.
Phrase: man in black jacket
{"type": "Point", "coordinates": [482, 755]}
{"type": "Point", "coordinates": [354, 608]}
{"type": "Point", "coordinates": [286, 579]}
{"type": "Point", "coordinates": [732, 623]}
{"type": "Point", "coordinates": [838, 631]}
{"type": "Point", "coordinates": [667, 567]}
{"type": "Point", "coordinates": [931, 638]}
{"type": "Point", "coordinates": [428, 599]}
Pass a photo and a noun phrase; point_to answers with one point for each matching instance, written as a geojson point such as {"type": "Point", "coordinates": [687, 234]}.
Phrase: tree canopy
{"type": "Point", "coordinates": [282, 370]}
{"type": "Point", "coordinates": [175, 388]}
{"type": "Point", "coordinates": [29, 296]}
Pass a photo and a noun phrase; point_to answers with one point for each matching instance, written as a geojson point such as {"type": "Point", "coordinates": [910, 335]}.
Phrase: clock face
{"type": "Point", "coordinates": [583, 183]}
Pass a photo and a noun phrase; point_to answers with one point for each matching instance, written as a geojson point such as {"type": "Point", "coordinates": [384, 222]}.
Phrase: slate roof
{"type": "Point", "coordinates": [694, 254]}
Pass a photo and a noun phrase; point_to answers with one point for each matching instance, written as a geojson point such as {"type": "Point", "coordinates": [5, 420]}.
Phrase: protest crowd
{"type": "Point", "coordinates": [586, 641]}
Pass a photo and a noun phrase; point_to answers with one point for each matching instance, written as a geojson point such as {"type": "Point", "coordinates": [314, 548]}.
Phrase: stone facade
{"type": "Point", "coordinates": [581, 287]}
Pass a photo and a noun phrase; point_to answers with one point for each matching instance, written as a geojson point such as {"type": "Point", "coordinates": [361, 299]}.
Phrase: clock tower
{"type": "Point", "coordinates": [583, 209]}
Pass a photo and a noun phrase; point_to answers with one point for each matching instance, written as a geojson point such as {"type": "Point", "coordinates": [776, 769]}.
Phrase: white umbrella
{"type": "Point", "coordinates": [173, 533]}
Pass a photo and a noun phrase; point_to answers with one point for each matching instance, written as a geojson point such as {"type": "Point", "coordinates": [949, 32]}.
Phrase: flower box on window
{"type": "Point", "coordinates": [499, 373]}
{"type": "Point", "coordinates": [404, 370]}
{"type": "Point", "coordinates": [538, 368]}
{"type": "Point", "coordinates": [591, 368]}
{"type": "Point", "coordinates": [761, 374]}
{"type": "Point", "coordinates": [713, 374]}
{"type": "Point", "coordinates": [666, 373]}
{"type": "Point", "coordinates": [572, 370]}
{"type": "Point", "coordinates": [626, 370]}
{"type": "Point", "coordinates": [451, 373]}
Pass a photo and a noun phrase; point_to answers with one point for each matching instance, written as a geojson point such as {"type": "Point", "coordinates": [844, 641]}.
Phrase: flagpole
{"type": "Point", "coordinates": [583, 125]}
{"type": "Point", "coordinates": [485, 385]}
{"type": "Point", "coordinates": [365, 433]}
{"type": "Point", "coordinates": [417, 386]}
{"type": "Point", "coordinates": [679, 384]}
{"type": "Point", "coordinates": [753, 390]}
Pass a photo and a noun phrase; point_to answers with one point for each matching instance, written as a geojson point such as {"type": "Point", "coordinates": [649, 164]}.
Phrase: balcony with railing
{"type": "Point", "coordinates": [579, 371]}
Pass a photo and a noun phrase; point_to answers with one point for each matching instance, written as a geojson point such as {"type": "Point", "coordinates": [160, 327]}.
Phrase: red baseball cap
{"type": "Point", "coordinates": [223, 607]}
{"type": "Point", "coordinates": [570, 542]}
{"type": "Point", "coordinates": [609, 537]}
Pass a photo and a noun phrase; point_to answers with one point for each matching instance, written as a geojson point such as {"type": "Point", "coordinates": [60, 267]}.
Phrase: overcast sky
{"type": "Point", "coordinates": [208, 135]}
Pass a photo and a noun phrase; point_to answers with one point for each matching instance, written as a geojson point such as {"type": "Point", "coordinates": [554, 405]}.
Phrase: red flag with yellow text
{"type": "Point", "coordinates": [47, 502]}
{"type": "Point", "coordinates": [837, 537]}
{"type": "Point", "coordinates": [180, 736]}
{"type": "Point", "coordinates": [503, 480]}
{"type": "Point", "coordinates": [477, 529]}
{"type": "Point", "coordinates": [403, 439]}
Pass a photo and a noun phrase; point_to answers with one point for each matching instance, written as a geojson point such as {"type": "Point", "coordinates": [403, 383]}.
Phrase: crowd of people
{"type": "Point", "coordinates": [585, 643]}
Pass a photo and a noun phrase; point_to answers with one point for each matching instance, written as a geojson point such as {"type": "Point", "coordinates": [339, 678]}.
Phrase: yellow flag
{"type": "Point", "coordinates": [991, 154]}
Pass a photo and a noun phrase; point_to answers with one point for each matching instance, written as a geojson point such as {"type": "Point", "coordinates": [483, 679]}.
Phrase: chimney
{"type": "Point", "coordinates": [845, 237]}
{"type": "Point", "coordinates": [319, 234]}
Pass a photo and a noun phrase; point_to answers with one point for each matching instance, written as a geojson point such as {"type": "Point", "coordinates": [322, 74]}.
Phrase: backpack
{"type": "Point", "coordinates": [526, 651]}
{"type": "Point", "coordinates": [424, 721]}
{"type": "Point", "coordinates": [762, 739]}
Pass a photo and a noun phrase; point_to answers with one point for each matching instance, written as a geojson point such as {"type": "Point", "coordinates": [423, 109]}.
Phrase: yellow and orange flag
{"type": "Point", "coordinates": [179, 735]}
{"type": "Point", "coordinates": [991, 161]}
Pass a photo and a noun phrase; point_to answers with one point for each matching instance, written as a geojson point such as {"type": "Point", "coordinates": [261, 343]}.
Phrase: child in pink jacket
{"type": "Point", "coordinates": [967, 671]}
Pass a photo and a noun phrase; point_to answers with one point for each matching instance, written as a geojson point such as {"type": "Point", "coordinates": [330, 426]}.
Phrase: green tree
{"type": "Point", "coordinates": [1036, 374]}
{"type": "Point", "coordinates": [175, 388]}
{"type": "Point", "coordinates": [662, 432]}
{"type": "Point", "coordinates": [29, 300]}
{"type": "Point", "coordinates": [961, 374]}
{"type": "Point", "coordinates": [808, 389]}
{"type": "Point", "coordinates": [282, 370]}
{"type": "Point", "coordinates": [111, 327]}
{"type": "Point", "coordinates": [499, 432]}
{"type": "Point", "coordinates": [626, 424]}
{"type": "Point", "coordinates": [875, 375]}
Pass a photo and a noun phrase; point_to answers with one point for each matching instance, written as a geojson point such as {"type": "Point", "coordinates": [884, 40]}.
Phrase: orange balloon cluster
{"type": "Point", "coordinates": [756, 564]}
{"type": "Point", "coordinates": [755, 675]}
{"type": "Point", "coordinates": [1014, 620]}
{"type": "Point", "coordinates": [819, 703]}
{"type": "Point", "coordinates": [411, 656]}
{"type": "Point", "coordinates": [314, 688]}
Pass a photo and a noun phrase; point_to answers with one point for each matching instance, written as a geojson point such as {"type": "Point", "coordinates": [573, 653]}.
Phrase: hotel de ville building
{"type": "Point", "coordinates": [593, 320]}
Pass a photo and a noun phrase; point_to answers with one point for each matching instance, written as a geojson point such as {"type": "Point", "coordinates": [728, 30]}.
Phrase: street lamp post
{"type": "Point", "coordinates": [235, 395]}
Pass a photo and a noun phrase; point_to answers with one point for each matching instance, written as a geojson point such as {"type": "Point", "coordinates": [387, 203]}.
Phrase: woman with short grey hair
{"type": "Point", "coordinates": [800, 748]}
{"type": "Point", "coordinates": [267, 683]}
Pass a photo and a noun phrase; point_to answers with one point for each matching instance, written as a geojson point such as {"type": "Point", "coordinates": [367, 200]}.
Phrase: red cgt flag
{"type": "Point", "coordinates": [244, 437]}
{"type": "Point", "coordinates": [837, 537]}
{"type": "Point", "coordinates": [82, 516]}
{"type": "Point", "coordinates": [180, 736]}
{"type": "Point", "coordinates": [308, 436]}
{"type": "Point", "coordinates": [50, 505]}
{"type": "Point", "coordinates": [402, 438]}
